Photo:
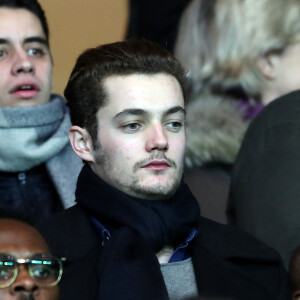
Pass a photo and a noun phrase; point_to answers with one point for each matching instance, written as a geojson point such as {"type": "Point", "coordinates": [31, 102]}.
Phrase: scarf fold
{"type": "Point", "coordinates": [127, 264]}
{"type": "Point", "coordinates": [32, 135]}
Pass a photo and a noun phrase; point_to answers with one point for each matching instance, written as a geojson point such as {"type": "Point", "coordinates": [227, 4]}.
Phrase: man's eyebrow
{"type": "Point", "coordinates": [33, 39]}
{"type": "Point", "coordinates": [141, 112]}
{"type": "Point", "coordinates": [4, 41]}
{"type": "Point", "coordinates": [131, 112]}
{"type": "Point", "coordinates": [174, 110]}
{"type": "Point", "coordinates": [36, 39]}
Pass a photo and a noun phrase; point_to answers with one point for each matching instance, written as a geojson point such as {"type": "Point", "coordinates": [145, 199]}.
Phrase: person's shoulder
{"type": "Point", "coordinates": [62, 223]}
{"type": "Point", "coordinates": [291, 98]}
{"type": "Point", "coordinates": [229, 241]}
{"type": "Point", "coordinates": [62, 218]}
{"type": "Point", "coordinates": [283, 110]}
{"type": "Point", "coordinates": [69, 233]}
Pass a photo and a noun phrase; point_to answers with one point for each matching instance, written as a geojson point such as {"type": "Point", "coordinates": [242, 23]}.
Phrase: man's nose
{"type": "Point", "coordinates": [22, 63]}
{"type": "Point", "coordinates": [23, 283]}
{"type": "Point", "coordinates": [156, 138]}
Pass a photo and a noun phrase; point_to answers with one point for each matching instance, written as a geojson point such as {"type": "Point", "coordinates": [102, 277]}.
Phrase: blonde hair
{"type": "Point", "coordinates": [220, 41]}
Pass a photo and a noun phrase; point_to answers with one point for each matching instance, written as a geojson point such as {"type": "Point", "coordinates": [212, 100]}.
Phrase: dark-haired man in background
{"type": "Point", "coordinates": [136, 231]}
{"type": "Point", "coordinates": [38, 168]}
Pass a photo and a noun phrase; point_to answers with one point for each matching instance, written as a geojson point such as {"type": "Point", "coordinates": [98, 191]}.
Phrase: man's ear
{"type": "Point", "coordinates": [81, 143]}
{"type": "Point", "coordinates": [296, 295]}
{"type": "Point", "coordinates": [268, 65]}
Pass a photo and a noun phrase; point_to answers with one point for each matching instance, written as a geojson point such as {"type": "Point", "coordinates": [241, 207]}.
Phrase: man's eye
{"type": "Point", "coordinates": [132, 127]}
{"type": "Point", "coordinates": [41, 272]}
{"type": "Point", "coordinates": [2, 53]}
{"type": "Point", "coordinates": [174, 126]}
{"type": "Point", "coordinates": [6, 273]}
{"type": "Point", "coordinates": [35, 52]}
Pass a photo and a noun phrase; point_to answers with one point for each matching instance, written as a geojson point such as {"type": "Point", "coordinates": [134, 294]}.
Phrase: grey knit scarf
{"type": "Point", "coordinates": [32, 135]}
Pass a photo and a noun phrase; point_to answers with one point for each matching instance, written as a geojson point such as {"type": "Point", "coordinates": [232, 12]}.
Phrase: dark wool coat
{"type": "Point", "coordinates": [265, 190]}
{"type": "Point", "coordinates": [227, 262]}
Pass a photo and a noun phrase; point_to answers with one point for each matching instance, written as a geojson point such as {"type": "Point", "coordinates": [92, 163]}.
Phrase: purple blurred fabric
{"type": "Point", "coordinates": [250, 109]}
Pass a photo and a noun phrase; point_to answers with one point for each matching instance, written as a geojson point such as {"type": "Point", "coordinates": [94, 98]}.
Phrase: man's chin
{"type": "Point", "coordinates": [25, 102]}
{"type": "Point", "coordinates": [156, 190]}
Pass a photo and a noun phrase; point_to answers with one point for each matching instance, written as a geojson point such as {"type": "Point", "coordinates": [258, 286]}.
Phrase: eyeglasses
{"type": "Point", "coordinates": [44, 269]}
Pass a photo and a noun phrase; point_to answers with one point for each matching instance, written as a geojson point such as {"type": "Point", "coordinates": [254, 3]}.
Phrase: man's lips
{"type": "Point", "coordinates": [25, 296]}
{"type": "Point", "coordinates": [25, 90]}
{"type": "Point", "coordinates": [157, 165]}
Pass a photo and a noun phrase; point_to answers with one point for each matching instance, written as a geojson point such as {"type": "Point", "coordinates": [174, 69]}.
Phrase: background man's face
{"type": "Point", "coordinates": [22, 241]}
{"type": "Point", "coordinates": [141, 135]}
{"type": "Point", "coordinates": [25, 59]}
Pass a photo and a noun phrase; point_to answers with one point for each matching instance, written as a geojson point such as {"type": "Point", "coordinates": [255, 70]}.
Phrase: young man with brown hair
{"type": "Point", "coordinates": [136, 231]}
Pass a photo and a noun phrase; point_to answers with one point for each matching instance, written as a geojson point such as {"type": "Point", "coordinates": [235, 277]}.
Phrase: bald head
{"type": "Point", "coordinates": [17, 237]}
{"type": "Point", "coordinates": [21, 240]}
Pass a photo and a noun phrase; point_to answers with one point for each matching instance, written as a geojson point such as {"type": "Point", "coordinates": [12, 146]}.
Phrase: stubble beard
{"type": "Point", "coordinates": [158, 190]}
{"type": "Point", "coordinates": [26, 296]}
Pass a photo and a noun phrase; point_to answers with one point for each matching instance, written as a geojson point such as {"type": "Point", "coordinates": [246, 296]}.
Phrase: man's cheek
{"type": "Point", "coordinates": [129, 153]}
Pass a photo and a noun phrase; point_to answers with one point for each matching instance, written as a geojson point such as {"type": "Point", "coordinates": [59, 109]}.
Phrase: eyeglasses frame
{"type": "Point", "coordinates": [26, 261]}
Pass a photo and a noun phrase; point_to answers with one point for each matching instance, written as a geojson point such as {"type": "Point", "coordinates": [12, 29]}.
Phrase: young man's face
{"type": "Point", "coordinates": [141, 135]}
{"type": "Point", "coordinates": [22, 241]}
{"type": "Point", "coordinates": [25, 59]}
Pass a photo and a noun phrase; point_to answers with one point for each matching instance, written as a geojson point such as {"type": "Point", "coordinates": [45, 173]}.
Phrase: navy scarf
{"type": "Point", "coordinates": [127, 266]}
